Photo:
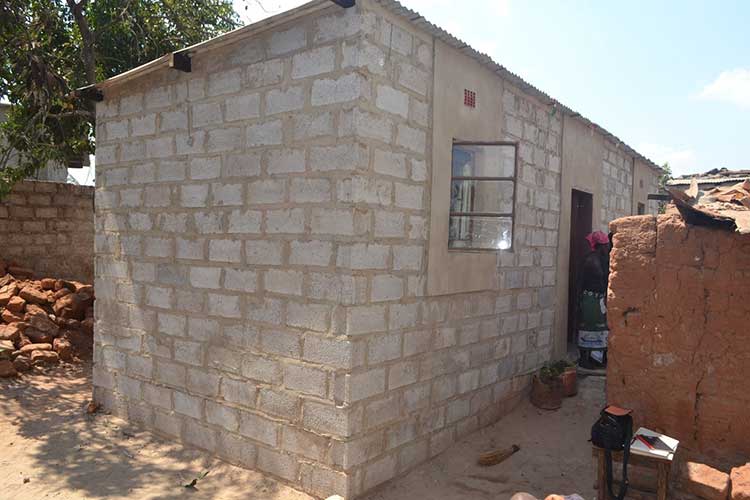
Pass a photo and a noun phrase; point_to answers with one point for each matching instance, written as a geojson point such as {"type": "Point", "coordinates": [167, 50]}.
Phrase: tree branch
{"type": "Point", "coordinates": [87, 51]}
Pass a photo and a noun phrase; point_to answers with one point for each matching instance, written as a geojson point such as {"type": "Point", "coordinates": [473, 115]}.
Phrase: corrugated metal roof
{"type": "Point", "coordinates": [411, 16]}
{"type": "Point", "coordinates": [714, 176]}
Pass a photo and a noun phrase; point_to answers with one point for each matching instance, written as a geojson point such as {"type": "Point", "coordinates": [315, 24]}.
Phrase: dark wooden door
{"type": "Point", "coordinates": [581, 214]}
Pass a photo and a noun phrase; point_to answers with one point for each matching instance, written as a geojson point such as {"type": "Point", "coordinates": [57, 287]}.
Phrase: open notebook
{"type": "Point", "coordinates": [652, 444]}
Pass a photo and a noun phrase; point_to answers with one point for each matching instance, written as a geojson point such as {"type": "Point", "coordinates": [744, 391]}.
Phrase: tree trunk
{"type": "Point", "coordinates": [87, 50]}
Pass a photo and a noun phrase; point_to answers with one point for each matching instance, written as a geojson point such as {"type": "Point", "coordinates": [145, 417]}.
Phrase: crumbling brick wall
{"type": "Point", "coordinates": [49, 228]}
{"type": "Point", "coordinates": [679, 300]}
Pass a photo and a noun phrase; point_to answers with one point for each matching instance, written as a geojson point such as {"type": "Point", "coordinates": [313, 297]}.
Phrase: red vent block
{"type": "Point", "coordinates": [470, 98]}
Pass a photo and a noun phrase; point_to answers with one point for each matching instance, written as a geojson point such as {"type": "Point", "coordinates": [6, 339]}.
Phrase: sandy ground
{"type": "Point", "coordinates": [555, 456]}
{"type": "Point", "coordinates": [47, 438]}
{"type": "Point", "coordinates": [52, 449]}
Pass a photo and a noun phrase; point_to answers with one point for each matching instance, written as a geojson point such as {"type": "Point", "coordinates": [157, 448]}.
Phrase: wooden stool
{"type": "Point", "coordinates": [662, 465]}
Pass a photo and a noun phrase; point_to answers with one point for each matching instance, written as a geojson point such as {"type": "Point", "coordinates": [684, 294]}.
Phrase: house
{"type": "Point", "coordinates": [717, 177]}
{"type": "Point", "coordinates": [333, 242]}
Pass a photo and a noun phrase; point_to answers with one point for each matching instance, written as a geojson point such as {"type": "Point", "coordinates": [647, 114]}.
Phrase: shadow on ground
{"type": "Point", "coordinates": [52, 448]}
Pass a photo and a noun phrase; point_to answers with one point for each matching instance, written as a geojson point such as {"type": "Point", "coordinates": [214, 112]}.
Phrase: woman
{"type": "Point", "coordinates": [592, 327]}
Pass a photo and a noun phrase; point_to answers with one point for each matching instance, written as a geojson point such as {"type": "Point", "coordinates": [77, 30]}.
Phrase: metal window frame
{"type": "Point", "coordinates": [513, 179]}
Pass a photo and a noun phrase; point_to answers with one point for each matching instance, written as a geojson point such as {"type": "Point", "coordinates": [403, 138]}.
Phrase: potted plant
{"type": "Point", "coordinates": [546, 388]}
{"type": "Point", "coordinates": [568, 377]}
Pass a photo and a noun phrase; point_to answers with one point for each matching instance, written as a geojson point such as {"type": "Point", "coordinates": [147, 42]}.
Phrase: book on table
{"type": "Point", "coordinates": [653, 444]}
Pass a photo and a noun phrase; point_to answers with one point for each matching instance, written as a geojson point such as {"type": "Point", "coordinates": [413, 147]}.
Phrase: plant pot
{"type": "Point", "coordinates": [569, 381]}
{"type": "Point", "coordinates": [546, 395]}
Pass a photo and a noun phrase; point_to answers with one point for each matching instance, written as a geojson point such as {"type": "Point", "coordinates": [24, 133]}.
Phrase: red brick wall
{"type": "Point", "coordinates": [679, 314]}
{"type": "Point", "coordinates": [49, 228]}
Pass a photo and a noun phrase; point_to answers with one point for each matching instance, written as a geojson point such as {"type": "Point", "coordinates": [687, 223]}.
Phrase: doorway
{"type": "Point", "coordinates": [581, 214]}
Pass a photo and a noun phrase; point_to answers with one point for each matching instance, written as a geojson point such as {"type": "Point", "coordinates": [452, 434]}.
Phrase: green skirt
{"type": "Point", "coordinates": [592, 325]}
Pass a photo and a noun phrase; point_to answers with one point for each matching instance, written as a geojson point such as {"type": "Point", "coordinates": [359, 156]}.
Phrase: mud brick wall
{"type": "Point", "coordinates": [679, 303]}
{"type": "Point", "coordinates": [49, 228]}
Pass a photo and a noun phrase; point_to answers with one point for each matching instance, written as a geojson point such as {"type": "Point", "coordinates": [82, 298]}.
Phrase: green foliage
{"type": "Point", "coordinates": [48, 48]}
{"type": "Point", "coordinates": [552, 371]}
{"type": "Point", "coordinates": [663, 179]}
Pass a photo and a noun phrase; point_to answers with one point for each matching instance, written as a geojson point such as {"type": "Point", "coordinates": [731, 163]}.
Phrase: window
{"type": "Point", "coordinates": [483, 188]}
{"type": "Point", "coordinates": [641, 209]}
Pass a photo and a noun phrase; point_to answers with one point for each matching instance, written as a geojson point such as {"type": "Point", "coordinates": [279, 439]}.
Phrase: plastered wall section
{"type": "Point", "coordinates": [595, 165]}
{"type": "Point", "coordinates": [235, 224]}
{"type": "Point", "coordinates": [678, 356]}
{"type": "Point", "coordinates": [440, 366]}
{"type": "Point", "coordinates": [49, 227]}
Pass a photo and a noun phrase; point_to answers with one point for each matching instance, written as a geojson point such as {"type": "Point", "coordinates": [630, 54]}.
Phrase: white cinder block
{"type": "Point", "coordinates": [363, 256]}
{"type": "Point", "coordinates": [311, 253]}
{"type": "Point", "coordinates": [205, 277]}
{"type": "Point", "coordinates": [225, 82]}
{"type": "Point", "coordinates": [389, 163]}
{"type": "Point", "coordinates": [285, 282]}
{"type": "Point", "coordinates": [282, 42]}
{"type": "Point", "coordinates": [243, 107]}
{"type": "Point", "coordinates": [280, 101]}
{"type": "Point", "coordinates": [392, 101]}
{"type": "Point", "coordinates": [240, 280]}
{"type": "Point", "coordinates": [226, 306]}
{"type": "Point", "coordinates": [305, 379]}
{"type": "Point", "coordinates": [409, 196]}
{"type": "Point", "coordinates": [244, 221]}
{"type": "Point", "coordinates": [266, 191]}
{"type": "Point", "coordinates": [362, 189]}
{"type": "Point", "coordinates": [206, 113]}
{"type": "Point", "coordinates": [285, 221]}
{"type": "Point", "coordinates": [411, 138]}
{"type": "Point", "coordinates": [390, 224]}
{"type": "Point", "coordinates": [306, 190]}
{"type": "Point", "coordinates": [265, 73]}
{"type": "Point", "coordinates": [146, 124]}
{"type": "Point", "coordinates": [313, 317]}
{"type": "Point", "coordinates": [365, 319]}
{"type": "Point", "coordinates": [205, 168]}
{"type": "Point", "coordinates": [263, 252]}
{"type": "Point", "coordinates": [386, 287]}
{"type": "Point", "coordinates": [226, 194]}
{"type": "Point", "coordinates": [345, 88]}
{"type": "Point", "coordinates": [341, 157]}
{"type": "Point", "coordinates": [286, 161]}
{"type": "Point", "coordinates": [225, 251]}
{"type": "Point", "coordinates": [168, 121]}
{"type": "Point", "coordinates": [194, 195]}
{"type": "Point", "coordinates": [310, 126]}
{"type": "Point", "coordinates": [314, 62]}
{"type": "Point", "coordinates": [332, 221]}
{"type": "Point", "coordinates": [264, 134]}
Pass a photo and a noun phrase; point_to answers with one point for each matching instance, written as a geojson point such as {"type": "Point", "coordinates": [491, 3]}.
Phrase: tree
{"type": "Point", "coordinates": [663, 179]}
{"type": "Point", "coordinates": [48, 48]}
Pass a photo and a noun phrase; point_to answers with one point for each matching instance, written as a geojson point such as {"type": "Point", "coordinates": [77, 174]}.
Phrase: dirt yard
{"type": "Point", "coordinates": [52, 449]}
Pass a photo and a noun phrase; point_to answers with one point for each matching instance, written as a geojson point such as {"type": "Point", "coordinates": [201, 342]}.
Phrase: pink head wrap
{"type": "Point", "coordinates": [597, 238]}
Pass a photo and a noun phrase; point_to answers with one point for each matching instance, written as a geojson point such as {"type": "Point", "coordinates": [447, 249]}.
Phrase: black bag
{"type": "Point", "coordinates": [613, 432]}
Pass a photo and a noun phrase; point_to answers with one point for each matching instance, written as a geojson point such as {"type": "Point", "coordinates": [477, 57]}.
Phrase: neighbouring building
{"type": "Point", "coordinates": [51, 172]}
{"type": "Point", "coordinates": [718, 177]}
{"type": "Point", "coordinates": [332, 243]}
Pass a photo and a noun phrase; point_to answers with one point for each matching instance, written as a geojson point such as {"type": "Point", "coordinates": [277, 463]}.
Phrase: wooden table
{"type": "Point", "coordinates": [662, 465]}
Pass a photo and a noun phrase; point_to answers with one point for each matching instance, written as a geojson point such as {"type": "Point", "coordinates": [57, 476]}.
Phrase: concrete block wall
{"type": "Point", "coordinates": [49, 227]}
{"type": "Point", "coordinates": [438, 368]}
{"type": "Point", "coordinates": [234, 254]}
{"type": "Point", "coordinates": [617, 188]}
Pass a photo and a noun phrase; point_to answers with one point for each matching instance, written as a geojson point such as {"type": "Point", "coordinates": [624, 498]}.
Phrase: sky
{"type": "Point", "coordinates": [670, 78]}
